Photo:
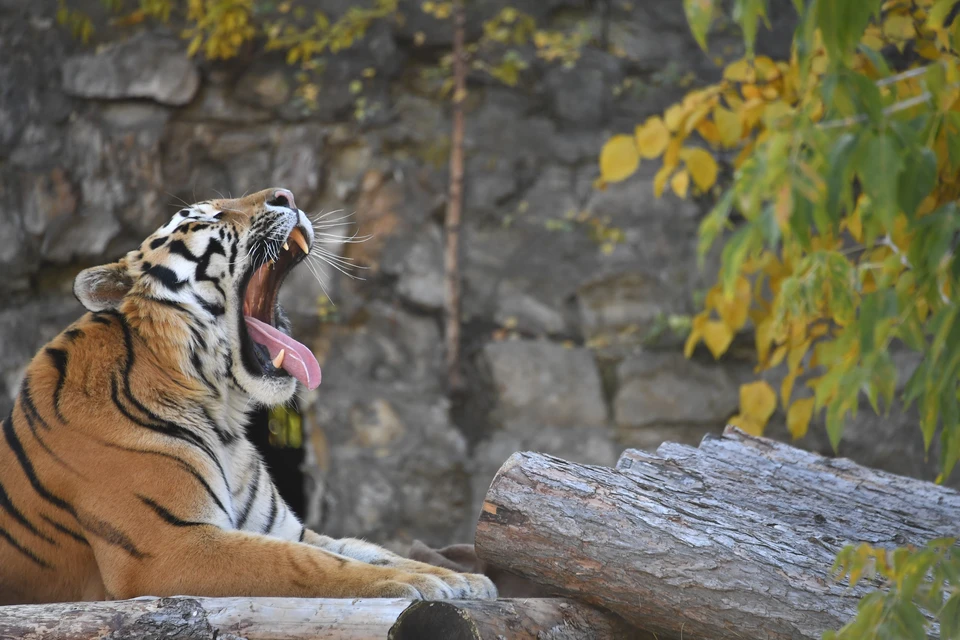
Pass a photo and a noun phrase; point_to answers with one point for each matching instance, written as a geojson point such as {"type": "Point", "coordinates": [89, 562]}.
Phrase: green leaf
{"type": "Point", "coordinates": [917, 180]}
{"type": "Point", "coordinates": [734, 254]}
{"type": "Point", "coordinates": [869, 310]}
{"type": "Point", "coordinates": [949, 618]}
{"type": "Point", "coordinates": [714, 224]}
{"type": "Point", "coordinates": [838, 180]}
{"type": "Point", "coordinates": [747, 14]}
{"type": "Point", "coordinates": [879, 172]}
{"type": "Point", "coordinates": [699, 17]}
{"type": "Point", "coordinates": [953, 136]}
{"type": "Point", "coordinates": [835, 426]}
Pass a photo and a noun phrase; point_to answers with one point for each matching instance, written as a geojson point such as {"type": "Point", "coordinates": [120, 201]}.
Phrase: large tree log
{"type": "Point", "coordinates": [733, 540]}
{"type": "Point", "coordinates": [526, 619]}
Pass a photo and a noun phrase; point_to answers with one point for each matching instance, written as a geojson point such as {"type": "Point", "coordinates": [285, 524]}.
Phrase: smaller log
{"type": "Point", "coordinates": [526, 619]}
{"type": "Point", "coordinates": [186, 618]}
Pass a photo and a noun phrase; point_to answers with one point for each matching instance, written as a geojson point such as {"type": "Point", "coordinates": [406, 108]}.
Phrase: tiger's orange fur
{"type": "Point", "coordinates": [124, 470]}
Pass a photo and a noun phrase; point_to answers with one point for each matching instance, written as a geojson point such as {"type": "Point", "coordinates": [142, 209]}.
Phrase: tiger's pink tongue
{"type": "Point", "coordinates": [298, 361]}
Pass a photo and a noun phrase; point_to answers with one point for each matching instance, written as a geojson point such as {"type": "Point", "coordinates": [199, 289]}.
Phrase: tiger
{"type": "Point", "coordinates": [124, 466]}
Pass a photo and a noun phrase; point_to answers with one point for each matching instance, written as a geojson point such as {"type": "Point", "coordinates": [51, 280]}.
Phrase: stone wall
{"type": "Point", "coordinates": [563, 340]}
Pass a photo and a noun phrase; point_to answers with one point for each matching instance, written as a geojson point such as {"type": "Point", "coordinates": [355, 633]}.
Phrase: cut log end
{"type": "Point", "coordinates": [434, 620]}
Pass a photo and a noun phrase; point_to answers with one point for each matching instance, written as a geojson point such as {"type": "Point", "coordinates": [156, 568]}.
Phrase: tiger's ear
{"type": "Point", "coordinates": [102, 288]}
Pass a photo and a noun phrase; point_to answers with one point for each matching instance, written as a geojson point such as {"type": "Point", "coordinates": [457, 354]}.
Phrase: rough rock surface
{"type": "Point", "coordinates": [100, 144]}
{"type": "Point", "coordinates": [145, 66]}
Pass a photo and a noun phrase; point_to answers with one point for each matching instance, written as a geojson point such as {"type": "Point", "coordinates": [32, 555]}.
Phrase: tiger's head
{"type": "Point", "coordinates": [217, 266]}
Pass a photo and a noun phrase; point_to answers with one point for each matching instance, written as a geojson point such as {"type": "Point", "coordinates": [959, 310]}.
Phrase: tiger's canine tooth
{"type": "Point", "coordinates": [286, 246]}
{"type": "Point", "coordinates": [297, 236]}
{"type": "Point", "coordinates": [279, 359]}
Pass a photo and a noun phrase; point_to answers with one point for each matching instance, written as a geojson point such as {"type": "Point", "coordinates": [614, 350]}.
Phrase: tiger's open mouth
{"type": "Point", "coordinates": [266, 345]}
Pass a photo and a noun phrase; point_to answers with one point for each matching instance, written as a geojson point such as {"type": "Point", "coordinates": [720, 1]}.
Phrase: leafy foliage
{"type": "Point", "coordinates": [920, 583]}
{"type": "Point", "coordinates": [842, 165]}
{"type": "Point", "coordinates": [221, 29]}
{"type": "Point", "coordinates": [842, 162]}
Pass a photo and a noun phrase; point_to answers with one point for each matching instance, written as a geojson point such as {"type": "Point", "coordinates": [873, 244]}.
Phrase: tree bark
{"type": "Point", "coordinates": [734, 539]}
{"type": "Point", "coordinates": [526, 619]}
{"type": "Point", "coordinates": [185, 618]}
{"type": "Point", "coordinates": [455, 202]}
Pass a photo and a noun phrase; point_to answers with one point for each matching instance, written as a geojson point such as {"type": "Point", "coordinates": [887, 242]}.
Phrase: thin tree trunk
{"type": "Point", "coordinates": [455, 201]}
{"type": "Point", "coordinates": [521, 619]}
{"type": "Point", "coordinates": [733, 540]}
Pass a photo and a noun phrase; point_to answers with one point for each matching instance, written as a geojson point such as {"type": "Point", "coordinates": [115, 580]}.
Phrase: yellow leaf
{"type": "Point", "coordinates": [729, 126]}
{"type": "Point", "coordinates": [899, 27]}
{"type": "Point", "coordinates": [747, 424]}
{"type": "Point", "coordinates": [798, 417]}
{"type": "Point", "coordinates": [709, 132]}
{"type": "Point", "coordinates": [696, 117]}
{"type": "Point", "coordinates": [717, 337]}
{"type": "Point", "coordinates": [618, 158]}
{"type": "Point", "coordinates": [699, 321]}
{"type": "Point", "coordinates": [758, 401]}
{"type": "Point", "coordinates": [734, 310]}
{"type": "Point", "coordinates": [739, 71]}
{"type": "Point", "coordinates": [796, 355]}
{"type": "Point", "coordinates": [763, 338]}
{"type": "Point", "coordinates": [660, 180]}
{"type": "Point", "coordinates": [675, 116]}
{"type": "Point", "coordinates": [786, 387]}
{"type": "Point", "coordinates": [783, 207]}
{"type": "Point", "coordinates": [680, 183]}
{"type": "Point", "coordinates": [702, 167]}
{"type": "Point", "coordinates": [652, 137]}
{"type": "Point", "coordinates": [778, 355]}
{"type": "Point", "coordinates": [766, 68]}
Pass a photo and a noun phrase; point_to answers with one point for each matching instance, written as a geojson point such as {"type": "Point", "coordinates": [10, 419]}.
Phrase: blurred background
{"type": "Point", "coordinates": [576, 300]}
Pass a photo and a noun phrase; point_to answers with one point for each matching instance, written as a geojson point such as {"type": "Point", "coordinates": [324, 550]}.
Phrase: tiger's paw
{"type": "Point", "coordinates": [429, 586]}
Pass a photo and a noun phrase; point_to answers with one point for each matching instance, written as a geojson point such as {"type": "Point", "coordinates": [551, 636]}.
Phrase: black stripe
{"type": "Point", "coordinates": [30, 417]}
{"type": "Point", "coordinates": [214, 309]}
{"type": "Point", "coordinates": [167, 516]}
{"type": "Point", "coordinates": [72, 334]}
{"type": "Point", "coordinates": [99, 528]}
{"type": "Point", "coordinates": [303, 532]}
{"type": "Point", "coordinates": [14, 443]}
{"type": "Point", "coordinates": [26, 399]}
{"type": "Point", "coordinates": [183, 464]}
{"type": "Point", "coordinates": [164, 426]}
{"type": "Point", "coordinates": [245, 512]}
{"type": "Point", "coordinates": [109, 533]}
{"type": "Point", "coordinates": [97, 317]}
{"type": "Point", "coordinates": [198, 365]}
{"type": "Point", "coordinates": [169, 303]}
{"type": "Point", "coordinates": [59, 358]}
{"type": "Point", "coordinates": [16, 545]}
{"type": "Point", "coordinates": [59, 527]}
{"type": "Point", "coordinates": [156, 243]}
{"type": "Point", "coordinates": [178, 247]}
{"type": "Point", "coordinates": [17, 515]}
{"type": "Point", "coordinates": [224, 435]}
{"type": "Point", "coordinates": [166, 277]}
{"type": "Point", "coordinates": [273, 510]}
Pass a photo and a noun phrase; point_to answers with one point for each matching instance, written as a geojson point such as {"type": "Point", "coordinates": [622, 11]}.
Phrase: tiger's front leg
{"type": "Point", "coordinates": [465, 585]}
{"type": "Point", "coordinates": [206, 560]}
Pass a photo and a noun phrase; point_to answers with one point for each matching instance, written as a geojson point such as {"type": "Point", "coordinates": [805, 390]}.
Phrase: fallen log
{"type": "Point", "coordinates": [186, 618]}
{"type": "Point", "coordinates": [526, 619]}
{"type": "Point", "coordinates": [731, 540]}
{"type": "Point", "coordinates": [189, 618]}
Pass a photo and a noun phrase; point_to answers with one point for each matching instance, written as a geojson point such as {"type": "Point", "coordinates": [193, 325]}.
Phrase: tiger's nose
{"type": "Point", "coordinates": [283, 198]}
